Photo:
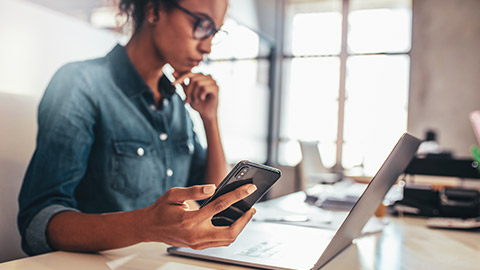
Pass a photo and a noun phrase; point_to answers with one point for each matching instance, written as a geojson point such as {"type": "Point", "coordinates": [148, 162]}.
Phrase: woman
{"type": "Point", "coordinates": [115, 142]}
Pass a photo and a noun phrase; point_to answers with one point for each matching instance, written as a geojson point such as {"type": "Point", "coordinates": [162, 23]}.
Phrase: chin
{"type": "Point", "coordinates": [183, 68]}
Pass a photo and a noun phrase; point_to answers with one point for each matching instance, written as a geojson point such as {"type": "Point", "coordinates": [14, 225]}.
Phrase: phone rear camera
{"type": "Point", "coordinates": [241, 173]}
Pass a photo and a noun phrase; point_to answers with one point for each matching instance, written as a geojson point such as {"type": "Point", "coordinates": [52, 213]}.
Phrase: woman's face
{"type": "Point", "coordinates": [173, 32]}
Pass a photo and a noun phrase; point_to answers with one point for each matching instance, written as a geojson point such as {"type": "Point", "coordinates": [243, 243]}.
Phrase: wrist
{"type": "Point", "coordinates": [210, 120]}
{"type": "Point", "coordinates": [141, 225]}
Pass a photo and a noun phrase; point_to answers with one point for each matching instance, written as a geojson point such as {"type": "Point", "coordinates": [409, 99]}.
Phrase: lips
{"type": "Point", "coordinates": [195, 62]}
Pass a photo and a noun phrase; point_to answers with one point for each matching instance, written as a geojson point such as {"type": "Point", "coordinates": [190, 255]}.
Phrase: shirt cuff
{"type": "Point", "coordinates": [36, 232]}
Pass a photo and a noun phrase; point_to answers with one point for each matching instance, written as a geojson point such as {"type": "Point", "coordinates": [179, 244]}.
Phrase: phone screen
{"type": "Point", "coordinates": [245, 172]}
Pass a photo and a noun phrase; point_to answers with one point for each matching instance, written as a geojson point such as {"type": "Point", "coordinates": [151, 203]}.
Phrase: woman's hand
{"type": "Point", "coordinates": [201, 93]}
{"type": "Point", "coordinates": [171, 221]}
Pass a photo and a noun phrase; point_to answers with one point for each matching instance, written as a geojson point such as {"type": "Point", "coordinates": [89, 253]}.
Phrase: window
{"type": "Point", "coordinates": [242, 74]}
{"type": "Point", "coordinates": [345, 81]}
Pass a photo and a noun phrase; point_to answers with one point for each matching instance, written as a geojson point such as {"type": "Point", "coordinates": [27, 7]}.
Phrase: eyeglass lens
{"type": "Point", "coordinates": [203, 29]}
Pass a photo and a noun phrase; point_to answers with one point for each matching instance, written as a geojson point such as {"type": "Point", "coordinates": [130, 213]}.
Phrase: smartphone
{"type": "Point", "coordinates": [245, 172]}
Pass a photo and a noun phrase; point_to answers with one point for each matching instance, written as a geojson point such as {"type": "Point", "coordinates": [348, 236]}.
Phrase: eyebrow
{"type": "Point", "coordinates": [197, 14]}
{"type": "Point", "coordinates": [210, 18]}
{"type": "Point", "coordinates": [202, 15]}
{"type": "Point", "coordinates": [206, 16]}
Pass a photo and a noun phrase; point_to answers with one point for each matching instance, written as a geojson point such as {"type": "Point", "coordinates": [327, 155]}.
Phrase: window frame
{"type": "Point", "coordinates": [344, 55]}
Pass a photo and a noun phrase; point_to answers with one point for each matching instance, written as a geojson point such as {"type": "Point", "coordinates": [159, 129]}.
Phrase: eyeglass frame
{"type": "Point", "coordinates": [198, 21]}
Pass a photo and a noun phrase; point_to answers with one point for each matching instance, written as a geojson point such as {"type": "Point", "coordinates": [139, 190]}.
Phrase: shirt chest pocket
{"type": "Point", "coordinates": [183, 153]}
{"type": "Point", "coordinates": [184, 147]}
{"type": "Point", "coordinates": [134, 168]}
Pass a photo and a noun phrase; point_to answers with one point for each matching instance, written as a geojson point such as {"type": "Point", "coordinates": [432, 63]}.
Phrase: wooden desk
{"type": "Point", "coordinates": [404, 244]}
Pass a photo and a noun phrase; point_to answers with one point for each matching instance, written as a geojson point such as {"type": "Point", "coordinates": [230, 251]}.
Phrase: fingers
{"type": "Point", "coordinates": [179, 78]}
{"type": "Point", "coordinates": [224, 236]}
{"type": "Point", "coordinates": [211, 244]}
{"type": "Point", "coordinates": [198, 88]}
{"type": "Point", "coordinates": [176, 224]}
{"type": "Point", "coordinates": [224, 201]}
{"type": "Point", "coordinates": [192, 205]}
{"type": "Point", "coordinates": [240, 223]}
{"type": "Point", "coordinates": [180, 195]}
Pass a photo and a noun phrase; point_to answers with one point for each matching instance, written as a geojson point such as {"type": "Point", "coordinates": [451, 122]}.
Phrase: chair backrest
{"type": "Point", "coordinates": [18, 129]}
{"type": "Point", "coordinates": [311, 159]}
{"type": "Point", "coordinates": [311, 169]}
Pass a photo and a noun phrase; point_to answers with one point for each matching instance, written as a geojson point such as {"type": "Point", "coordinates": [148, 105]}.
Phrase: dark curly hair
{"type": "Point", "coordinates": [136, 9]}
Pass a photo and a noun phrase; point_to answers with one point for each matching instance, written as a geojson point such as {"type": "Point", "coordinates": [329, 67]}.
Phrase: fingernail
{"type": "Point", "coordinates": [209, 189]}
{"type": "Point", "coordinates": [251, 189]}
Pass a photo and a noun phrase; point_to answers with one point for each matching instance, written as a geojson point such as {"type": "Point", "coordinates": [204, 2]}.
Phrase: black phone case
{"type": "Point", "coordinates": [261, 175]}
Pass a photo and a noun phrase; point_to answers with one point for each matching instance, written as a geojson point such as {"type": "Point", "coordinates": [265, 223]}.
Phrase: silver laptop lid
{"type": "Point", "coordinates": [373, 195]}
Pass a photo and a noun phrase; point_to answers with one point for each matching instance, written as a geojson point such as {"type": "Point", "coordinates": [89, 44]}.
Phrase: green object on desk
{"type": "Point", "coordinates": [476, 155]}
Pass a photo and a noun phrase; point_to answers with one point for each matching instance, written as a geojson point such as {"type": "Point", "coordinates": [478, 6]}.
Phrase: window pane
{"type": "Point", "coordinates": [229, 46]}
{"type": "Point", "coordinates": [313, 28]}
{"type": "Point", "coordinates": [244, 96]}
{"type": "Point", "coordinates": [290, 155]}
{"type": "Point", "coordinates": [376, 108]}
{"type": "Point", "coordinates": [243, 107]}
{"type": "Point", "coordinates": [310, 105]}
{"type": "Point", "coordinates": [379, 30]}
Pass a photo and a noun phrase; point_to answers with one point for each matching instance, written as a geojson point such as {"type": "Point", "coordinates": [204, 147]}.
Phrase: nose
{"type": "Point", "coordinates": [205, 46]}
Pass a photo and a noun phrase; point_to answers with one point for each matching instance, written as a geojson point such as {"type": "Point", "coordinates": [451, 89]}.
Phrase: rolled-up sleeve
{"type": "Point", "coordinates": [35, 233]}
{"type": "Point", "coordinates": [64, 140]}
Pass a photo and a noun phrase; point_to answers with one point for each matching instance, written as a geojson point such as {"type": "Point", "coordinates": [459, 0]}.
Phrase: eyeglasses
{"type": "Point", "coordinates": [204, 27]}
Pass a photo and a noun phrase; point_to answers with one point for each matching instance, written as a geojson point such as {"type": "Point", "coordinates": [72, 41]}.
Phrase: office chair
{"type": "Point", "coordinates": [311, 168]}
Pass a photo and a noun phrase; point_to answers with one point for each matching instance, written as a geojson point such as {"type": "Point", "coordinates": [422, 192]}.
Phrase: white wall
{"type": "Point", "coordinates": [445, 71]}
{"type": "Point", "coordinates": [244, 12]}
{"type": "Point", "coordinates": [34, 43]}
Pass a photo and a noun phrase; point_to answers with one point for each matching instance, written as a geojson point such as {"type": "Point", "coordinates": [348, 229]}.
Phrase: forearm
{"type": "Point", "coordinates": [216, 162]}
{"type": "Point", "coordinates": [73, 231]}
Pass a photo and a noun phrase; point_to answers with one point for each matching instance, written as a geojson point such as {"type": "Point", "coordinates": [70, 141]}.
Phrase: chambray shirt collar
{"type": "Point", "coordinates": [127, 77]}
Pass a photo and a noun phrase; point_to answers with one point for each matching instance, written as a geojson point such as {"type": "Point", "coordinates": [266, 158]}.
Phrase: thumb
{"type": "Point", "coordinates": [200, 192]}
{"type": "Point", "coordinates": [181, 77]}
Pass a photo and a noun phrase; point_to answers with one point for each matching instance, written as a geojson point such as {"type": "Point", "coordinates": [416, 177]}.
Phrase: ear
{"type": "Point", "coordinates": [150, 15]}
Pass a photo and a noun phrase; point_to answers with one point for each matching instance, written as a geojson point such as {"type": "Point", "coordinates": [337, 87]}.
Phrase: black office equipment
{"type": "Point", "coordinates": [457, 202]}
{"type": "Point", "coordinates": [424, 200]}
{"type": "Point", "coordinates": [462, 168]}
{"type": "Point", "coordinates": [418, 200]}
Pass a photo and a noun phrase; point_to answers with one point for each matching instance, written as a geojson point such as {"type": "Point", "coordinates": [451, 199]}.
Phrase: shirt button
{"type": "Point", "coordinates": [165, 102]}
{"type": "Point", "coordinates": [163, 136]}
{"type": "Point", "coordinates": [169, 172]}
{"type": "Point", "coordinates": [140, 151]}
{"type": "Point", "coordinates": [153, 107]}
{"type": "Point", "coordinates": [190, 147]}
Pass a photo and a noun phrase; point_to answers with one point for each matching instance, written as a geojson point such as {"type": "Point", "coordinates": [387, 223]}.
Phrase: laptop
{"type": "Point", "coordinates": [280, 246]}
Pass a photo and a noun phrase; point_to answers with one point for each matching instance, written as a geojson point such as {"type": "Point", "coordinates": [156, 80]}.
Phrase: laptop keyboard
{"type": "Point", "coordinates": [262, 250]}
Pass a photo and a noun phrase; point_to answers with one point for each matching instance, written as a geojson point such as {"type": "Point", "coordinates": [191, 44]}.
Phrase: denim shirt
{"type": "Point", "coordinates": [104, 146]}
